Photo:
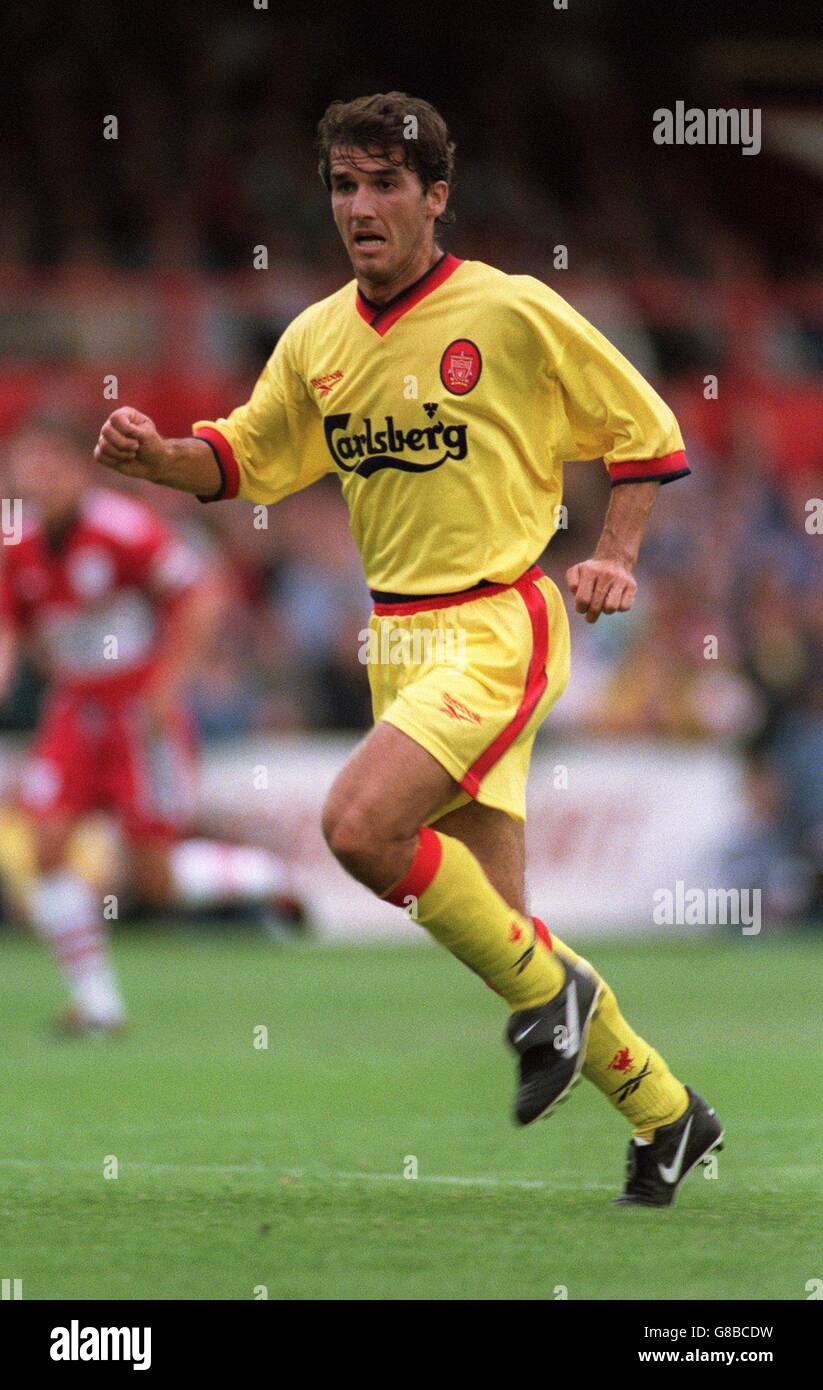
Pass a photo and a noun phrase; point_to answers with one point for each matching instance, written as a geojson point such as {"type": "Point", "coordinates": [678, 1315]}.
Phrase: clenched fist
{"type": "Point", "coordinates": [601, 586]}
{"type": "Point", "coordinates": [130, 444]}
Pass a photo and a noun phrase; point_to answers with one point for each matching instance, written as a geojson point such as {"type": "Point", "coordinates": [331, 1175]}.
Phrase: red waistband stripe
{"type": "Point", "coordinates": [422, 605]}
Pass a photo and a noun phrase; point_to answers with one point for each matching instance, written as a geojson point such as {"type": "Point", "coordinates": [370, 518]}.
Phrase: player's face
{"type": "Point", "coordinates": [384, 215]}
{"type": "Point", "coordinates": [49, 474]}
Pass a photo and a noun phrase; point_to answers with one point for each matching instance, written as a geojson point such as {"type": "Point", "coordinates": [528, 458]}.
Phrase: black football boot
{"type": "Point", "coordinates": [655, 1170]}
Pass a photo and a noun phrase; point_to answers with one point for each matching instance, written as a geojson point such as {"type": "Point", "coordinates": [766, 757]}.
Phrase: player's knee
{"type": "Point", "coordinates": [348, 831]}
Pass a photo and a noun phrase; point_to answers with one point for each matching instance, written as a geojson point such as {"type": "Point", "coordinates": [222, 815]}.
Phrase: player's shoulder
{"type": "Point", "coordinates": [121, 520]}
{"type": "Point", "coordinates": [526, 312]}
{"type": "Point", "coordinates": [523, 295]}
{"type": "Point", "coordinates": [296, 344]}
{"type": "Point", "coordinates": [524, 291]}
{"type": "Point", "coordinates": [315, 317]}
{"type": "Point", "coordinates": [481, 278]}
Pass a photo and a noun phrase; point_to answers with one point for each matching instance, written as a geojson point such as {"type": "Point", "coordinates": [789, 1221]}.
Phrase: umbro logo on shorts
{"type": "Point", "coordinates": [458, 710]}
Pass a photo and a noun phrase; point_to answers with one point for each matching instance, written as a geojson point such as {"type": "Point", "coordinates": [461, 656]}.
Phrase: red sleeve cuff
{"type": "Point", "coordinates": [226, 462]}
{"type": "Point", "coordinates": [659, 470]}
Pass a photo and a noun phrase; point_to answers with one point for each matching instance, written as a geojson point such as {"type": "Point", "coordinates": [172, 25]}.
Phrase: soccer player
{"type": "Point", "coordinates": [446, 395]}
{"type": "Point", "coordinates": [116, 608]}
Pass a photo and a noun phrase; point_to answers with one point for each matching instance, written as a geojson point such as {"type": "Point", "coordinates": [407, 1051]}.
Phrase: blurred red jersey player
{"type": "Point", "coordinates": [116, 609]}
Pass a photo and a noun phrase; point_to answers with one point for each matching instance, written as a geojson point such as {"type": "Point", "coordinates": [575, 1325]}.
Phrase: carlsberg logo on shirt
{"type": "Point", "coordinates": [387, 446]}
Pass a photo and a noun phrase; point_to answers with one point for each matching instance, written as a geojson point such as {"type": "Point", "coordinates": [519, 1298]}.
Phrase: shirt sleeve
{"type": "Point", "coordinates": [273, 445]}
{"type": "Point", "coordinates": [610, 411]}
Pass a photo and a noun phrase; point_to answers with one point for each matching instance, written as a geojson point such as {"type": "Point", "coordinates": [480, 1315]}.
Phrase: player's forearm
{"type": "Point", "coordinates": [188, 465]}
{"type": "Point", "coordinates": [630, 507]}
{"type": "Point", "coordinates": [130, 444]}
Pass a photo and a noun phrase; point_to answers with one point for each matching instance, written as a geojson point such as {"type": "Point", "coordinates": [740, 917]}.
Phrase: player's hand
{"type": "Point", "coordinates": [130, 444]}
{"type": "Point", "coordinates": [601, 586]}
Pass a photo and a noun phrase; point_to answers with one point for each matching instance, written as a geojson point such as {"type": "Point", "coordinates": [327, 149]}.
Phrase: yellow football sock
{"type": "Point", "coordinates": [630, 1073]}
{"type": "Point", "coordinates": [448, 893]}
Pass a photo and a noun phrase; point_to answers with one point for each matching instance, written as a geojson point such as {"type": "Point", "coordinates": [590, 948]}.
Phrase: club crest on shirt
{"type": "Point", "coordinates": [460, 366]}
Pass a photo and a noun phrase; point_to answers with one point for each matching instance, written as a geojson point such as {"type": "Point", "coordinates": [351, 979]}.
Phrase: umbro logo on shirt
{"type": "Point", "coordinates": [324, 384]}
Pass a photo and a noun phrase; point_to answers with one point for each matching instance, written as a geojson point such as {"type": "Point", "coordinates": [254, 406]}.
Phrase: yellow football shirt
{"type": "Point", "coordinates": [447, 415]}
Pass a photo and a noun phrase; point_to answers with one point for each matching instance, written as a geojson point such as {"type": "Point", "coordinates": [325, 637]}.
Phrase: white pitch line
{"type": "Point", "coordinates": [338, 1175]}
{"type": "Point", "coordinates": [333, 1175]}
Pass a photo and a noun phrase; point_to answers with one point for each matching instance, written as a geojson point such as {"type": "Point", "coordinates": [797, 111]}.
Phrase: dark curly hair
{"type": "Point", "coordinates": [381, 124]}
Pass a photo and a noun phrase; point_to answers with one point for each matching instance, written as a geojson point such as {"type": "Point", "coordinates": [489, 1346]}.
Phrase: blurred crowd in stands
{"type": "Point", "coordinates": [551, 112]}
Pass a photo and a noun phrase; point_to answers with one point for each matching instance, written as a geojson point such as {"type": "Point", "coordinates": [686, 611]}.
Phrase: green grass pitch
{"type": "Point", "coordinates": [242, 1167]}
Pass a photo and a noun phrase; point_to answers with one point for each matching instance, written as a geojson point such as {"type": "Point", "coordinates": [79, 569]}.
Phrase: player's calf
{"type": "Point", "coordinates": [551, 1042]}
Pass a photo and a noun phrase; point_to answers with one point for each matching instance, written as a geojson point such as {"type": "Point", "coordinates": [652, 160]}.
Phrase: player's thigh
{"type": "Point", "coordinates": [497, 840]}
{"type": "Point", "coordinates": [387, 789]}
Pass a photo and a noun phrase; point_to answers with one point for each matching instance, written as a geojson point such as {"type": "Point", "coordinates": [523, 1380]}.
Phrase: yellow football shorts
{"type": "Point", "coordinates": [470, 678]}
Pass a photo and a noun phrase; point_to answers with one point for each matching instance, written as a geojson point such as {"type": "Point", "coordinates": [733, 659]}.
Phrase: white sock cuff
{"type": "Point", "coordinates": [61, 902]}
{"type": "Point", "coordinates": [207, 871]}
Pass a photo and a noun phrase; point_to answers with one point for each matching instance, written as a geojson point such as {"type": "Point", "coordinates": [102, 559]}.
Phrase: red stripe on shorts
{"type": "Point", "coordinates": [536, 682]}
{"type": "Point", "coordinates": [423, 868]}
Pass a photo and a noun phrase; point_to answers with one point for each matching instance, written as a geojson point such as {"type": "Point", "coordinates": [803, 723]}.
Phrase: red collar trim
{"type": "Point", "coordinates": [380, 317]}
